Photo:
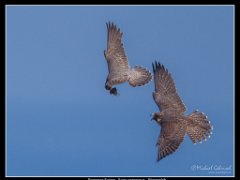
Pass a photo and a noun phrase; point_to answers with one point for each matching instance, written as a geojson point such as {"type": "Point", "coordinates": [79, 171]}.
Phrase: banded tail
{"type": "Point", "coordinates": [199, 127]}
{"type": "Point", "coordinates": [139, 76]}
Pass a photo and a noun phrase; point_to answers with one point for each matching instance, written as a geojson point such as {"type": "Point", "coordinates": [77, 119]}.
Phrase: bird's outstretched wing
{"type": "Point", "coordinates": [170, 138]}
{"type": "Point", "coordinates": [115, 55]}
{"type": "Point", "coordinates": [165, 95]}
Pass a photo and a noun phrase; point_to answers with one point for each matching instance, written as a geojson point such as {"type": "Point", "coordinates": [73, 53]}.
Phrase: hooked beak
{"type": "Point", "coordinates": [151, 115]}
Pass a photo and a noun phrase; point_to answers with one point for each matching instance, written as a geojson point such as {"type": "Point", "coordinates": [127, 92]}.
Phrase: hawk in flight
{"type": "Point", "coordinates": [118, 66]}
{"type": "Point", "coordinates": [174, 124]}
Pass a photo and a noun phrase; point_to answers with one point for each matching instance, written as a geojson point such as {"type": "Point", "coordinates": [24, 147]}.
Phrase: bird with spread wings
{"type": "Point", "coordinates": [174, 124]}
{"type": "Point", "coordinates": [118, 66]}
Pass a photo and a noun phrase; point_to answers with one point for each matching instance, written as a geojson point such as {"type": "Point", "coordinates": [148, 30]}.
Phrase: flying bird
{"type": "Point", "coordinates": [119, 70]}
{"type": "Point", "coordinates": [174, 124]}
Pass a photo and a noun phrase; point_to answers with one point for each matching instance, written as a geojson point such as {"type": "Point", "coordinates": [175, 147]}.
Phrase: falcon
{"type": "Point", "coordinates": [174, 124]}
{"type": "Point", "coordinates": [119, 70]}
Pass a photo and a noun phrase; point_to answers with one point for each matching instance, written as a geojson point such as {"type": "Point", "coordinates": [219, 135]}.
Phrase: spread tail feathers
{"type": "Point", "coordinates": [199, 127]}
{"type": "Point", "coordinates": [139, 76]}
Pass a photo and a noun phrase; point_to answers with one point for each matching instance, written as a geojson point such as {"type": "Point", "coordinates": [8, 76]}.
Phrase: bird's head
{"type": "Point", "coordinates": [156, 116]}
{"type": "Point", "coordinates": [113, 91]}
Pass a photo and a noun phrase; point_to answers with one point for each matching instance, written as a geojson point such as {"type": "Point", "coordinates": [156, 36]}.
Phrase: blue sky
{"type": "Point", "coordinates": [62, 122]}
